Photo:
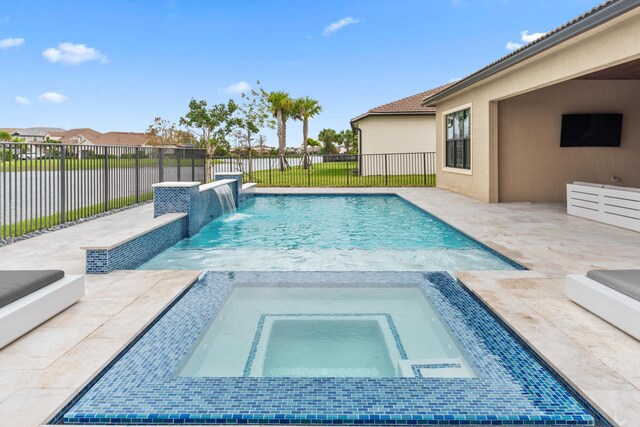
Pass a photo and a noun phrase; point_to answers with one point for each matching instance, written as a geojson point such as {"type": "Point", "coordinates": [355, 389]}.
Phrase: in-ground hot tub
{"type": "Point", "coordinates": [247, 347]}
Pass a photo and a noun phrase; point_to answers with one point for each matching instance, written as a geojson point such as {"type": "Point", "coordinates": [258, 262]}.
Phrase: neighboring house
{"type": "Point", "coordinates": [402, 126]}
{"type": "Point", "coordinates": [498, 130]}
{"type": "Point", "coordinates": [31, 135]}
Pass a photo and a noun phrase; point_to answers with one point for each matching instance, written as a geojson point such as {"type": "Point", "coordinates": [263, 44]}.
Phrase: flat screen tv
{"type": "Point", "coordinates": [591, 130]}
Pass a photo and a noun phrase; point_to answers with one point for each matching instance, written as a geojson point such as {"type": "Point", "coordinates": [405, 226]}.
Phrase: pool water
{"type": "Point", "coordinates": [325, 332]}
{"type": "Point", "coordinates": [328, 233]}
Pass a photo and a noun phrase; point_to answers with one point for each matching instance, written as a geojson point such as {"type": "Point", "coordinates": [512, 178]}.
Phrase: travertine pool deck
{"type": "Point", "coordinates": [42, 370]}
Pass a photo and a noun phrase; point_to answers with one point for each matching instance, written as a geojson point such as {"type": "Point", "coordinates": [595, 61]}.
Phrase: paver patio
{"type": "Point", "coordinates": [42, 370]}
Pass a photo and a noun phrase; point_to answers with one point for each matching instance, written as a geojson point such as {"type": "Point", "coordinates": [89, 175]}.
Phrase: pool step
{"type": "Point", "coordinates": [435, 368]}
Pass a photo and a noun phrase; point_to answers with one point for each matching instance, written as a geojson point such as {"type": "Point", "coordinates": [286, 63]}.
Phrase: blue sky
{"type": "Point", "coordinates": [143, 59]}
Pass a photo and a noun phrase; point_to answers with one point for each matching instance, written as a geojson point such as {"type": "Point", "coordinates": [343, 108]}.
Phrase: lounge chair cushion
{"type": "Point", "coordinates": [624, 281]}
{"type": "Point", "coordinates": [16, 284]}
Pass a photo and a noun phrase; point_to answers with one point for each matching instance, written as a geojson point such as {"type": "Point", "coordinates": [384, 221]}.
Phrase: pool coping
{"type": "Point", "coordinates": [154, 224]}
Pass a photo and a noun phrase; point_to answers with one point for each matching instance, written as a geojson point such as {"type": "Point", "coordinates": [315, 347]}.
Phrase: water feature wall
{"type": "Point", "coordinates": [201, 203]}
{"type": "Point", "coordinates": [198, 204]}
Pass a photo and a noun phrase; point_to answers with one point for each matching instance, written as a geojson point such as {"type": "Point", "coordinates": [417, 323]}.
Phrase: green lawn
{"type": "Point", "coordinates": [87, 164]}
{"type": "Point", "coordinates": [336, 174]}
{"type": "Point", "coordinates": [24, 227]}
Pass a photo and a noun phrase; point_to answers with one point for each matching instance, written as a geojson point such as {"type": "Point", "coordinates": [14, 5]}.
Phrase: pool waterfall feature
{"type": "Point", "coordinates": [180, 210]}
{"type": "Point", "coordinates": [225, 197]}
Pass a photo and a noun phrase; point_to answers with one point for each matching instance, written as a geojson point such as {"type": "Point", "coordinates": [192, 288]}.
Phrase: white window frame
{"type": "Point", "coordinates": [445, 168]}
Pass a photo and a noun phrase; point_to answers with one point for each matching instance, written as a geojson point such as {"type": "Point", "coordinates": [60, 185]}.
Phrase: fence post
{"type": "Point", "coordinates": [193, 165]}
{"type": "Point", "coordinates": [62, 182]}
{"type": "Point", "coordinates": [270, 180]}
{"type": "Point", "coordinates": [161, 164]}
{"type": "Point", "coordinates": [386, 175]}
{"type": "Point", "coordinates": [424, 167]}
{"type": "Point", "coordinates": [137, 174]}
{"type": "Point", "coordinates": [178, 163]}
{"type": "Point", "coordinates": [106, 178]}
{"type": "Point", "coordinates": [347, 168]}
{"type": "Point", "coordinates": [308, 172]}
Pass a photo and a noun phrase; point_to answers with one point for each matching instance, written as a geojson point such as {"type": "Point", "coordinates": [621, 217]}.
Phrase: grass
{"type": "Point", "coordinates": [28, 226]}
{"type": "Point", "coordinates": [336, 174]}
{"type": "Point", "coordinates": [88, 164]}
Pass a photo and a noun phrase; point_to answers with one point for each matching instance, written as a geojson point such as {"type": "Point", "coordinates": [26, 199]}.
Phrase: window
{"type": "Point", "coordinates": [458, 140]}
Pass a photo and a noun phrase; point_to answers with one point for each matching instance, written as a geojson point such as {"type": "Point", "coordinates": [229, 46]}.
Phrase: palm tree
{"type": "Point", "coordinates": [304, 109]}
{"type": "Point", "coordinates": [282, 108]}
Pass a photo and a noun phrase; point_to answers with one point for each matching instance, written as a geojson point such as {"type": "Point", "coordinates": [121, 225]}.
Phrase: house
{"type": "Point", "coordinates": [498, 131]}
{"type": "Point", "coordinates": [31, 135]}
{"type": "Point", "coordinates": [402, 126]}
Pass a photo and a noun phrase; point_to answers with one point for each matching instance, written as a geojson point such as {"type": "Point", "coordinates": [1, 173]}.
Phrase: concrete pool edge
{"type": "Point", "coordinates": [529, 342]}
{"type": "Point", "coordinates": [190, 277]}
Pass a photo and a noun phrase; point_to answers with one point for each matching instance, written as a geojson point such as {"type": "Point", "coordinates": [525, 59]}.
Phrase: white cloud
{"type": "Point", "coordinates": [52, 98]}
{"type": "Point", "coordinates": [455, 79]}
{"type": "Point", "coordinates": [11, 42]}
{"type": "Point", "coordinates": [74, 53]}
{"type": "Point", "coordinates": [239, 87]}
{"type": "Point", "coordinates": [528, 38]}
{"type": "Point", "coordinates": [512, 46]}
{"type": "Point", "coordinates": [525, 38]}
{"type": "Point", "coordinates": [22, 100]}
{"type": "Point", "coordinates": [335, 26]}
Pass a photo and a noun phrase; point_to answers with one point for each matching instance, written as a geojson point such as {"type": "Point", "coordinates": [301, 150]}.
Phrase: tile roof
{"type": "Point", "coordinates": [461, 83]}
{"type": "Point", "coordinates": [409, 105]}
{"type": "Point", "coordinates": [131, 139]}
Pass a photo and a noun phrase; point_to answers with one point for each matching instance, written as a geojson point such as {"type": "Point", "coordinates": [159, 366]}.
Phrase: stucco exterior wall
{"type": "Point", "coordinates": [396, 134]}
{"type": "Point", "coordinates": [607, 45]}
{"type": "Point", "coordinates": [533, 167]}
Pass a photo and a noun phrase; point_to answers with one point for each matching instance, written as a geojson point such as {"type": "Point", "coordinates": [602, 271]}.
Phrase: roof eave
{"type": "Point", "coordinates": [404, 113]}
{"type": "Point", "coordinates": [598, 18]}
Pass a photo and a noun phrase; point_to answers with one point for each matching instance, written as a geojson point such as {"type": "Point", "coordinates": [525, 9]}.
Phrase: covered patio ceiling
{"type": "Point", "coordinates": [625, 71]}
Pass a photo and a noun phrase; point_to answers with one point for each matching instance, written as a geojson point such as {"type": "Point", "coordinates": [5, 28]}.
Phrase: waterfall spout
{"type": "Point", "coordinates": [225, 196]}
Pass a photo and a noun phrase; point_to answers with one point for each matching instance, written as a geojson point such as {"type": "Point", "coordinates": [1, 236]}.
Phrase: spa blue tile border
{"type": "Point", "coordinates": [260, 328]}
{"type": "Point", "coordinates": [142, 387]}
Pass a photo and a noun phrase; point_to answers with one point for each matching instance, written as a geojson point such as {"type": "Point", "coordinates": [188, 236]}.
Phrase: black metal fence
{"type": "Point", "coordinates": [335, 170]}
{"type": "Point", "coordinates": [45, 185]}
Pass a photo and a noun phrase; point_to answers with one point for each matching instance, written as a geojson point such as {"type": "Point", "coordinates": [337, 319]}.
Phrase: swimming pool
{"type": "Point", "coordinates": [163, 376]}
{"type": "Point", "coordinates": [334, 233]}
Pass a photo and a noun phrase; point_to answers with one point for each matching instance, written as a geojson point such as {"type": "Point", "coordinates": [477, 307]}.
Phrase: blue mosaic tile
{"type": "Point", "coordinates": [512, 386]}
{"type": "Point", "coordinates": [201, 208]}
{"type": "Point", "coordinates": [135, 252]}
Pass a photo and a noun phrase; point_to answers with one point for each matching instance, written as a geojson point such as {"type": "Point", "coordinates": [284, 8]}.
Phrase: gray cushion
{"type": "Point", "coordinates": [15, 284]}
{"type": "Point", "coordinates": [624, 281]}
